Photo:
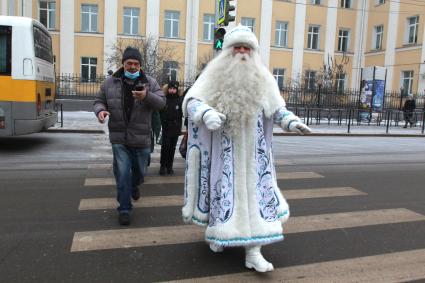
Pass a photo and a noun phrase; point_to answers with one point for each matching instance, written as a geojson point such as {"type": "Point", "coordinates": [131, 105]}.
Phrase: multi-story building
{"type": "Point", "coordinates": [297, 38]}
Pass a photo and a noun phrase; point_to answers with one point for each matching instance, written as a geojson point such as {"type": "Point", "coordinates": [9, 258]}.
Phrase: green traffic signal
{"type": "Point", "coordinates": [218, 44]}
{"type": "Point", "coordinates": [219, 38]}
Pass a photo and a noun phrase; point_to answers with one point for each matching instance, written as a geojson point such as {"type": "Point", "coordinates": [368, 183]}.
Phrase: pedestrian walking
{"type": "Point", "coordinates": [230, 182]}
{"type": "Point", "coordinates": [128, 98]}
{"type": "Point", "coordinates": [409, 111]}
{"type": "Point", "coordinates": [171, 121]}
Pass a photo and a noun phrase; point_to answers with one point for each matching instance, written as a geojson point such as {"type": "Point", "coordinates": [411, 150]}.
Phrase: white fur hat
{"type": "Point", "coordinates": [240, 34]}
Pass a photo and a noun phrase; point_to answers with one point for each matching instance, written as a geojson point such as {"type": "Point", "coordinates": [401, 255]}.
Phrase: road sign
{"type": "Point", "coordinates": [221, 12]}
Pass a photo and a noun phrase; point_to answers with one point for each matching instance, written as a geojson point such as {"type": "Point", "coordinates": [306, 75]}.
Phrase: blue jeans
{"type": "Point", "coordinates": [130, 165]}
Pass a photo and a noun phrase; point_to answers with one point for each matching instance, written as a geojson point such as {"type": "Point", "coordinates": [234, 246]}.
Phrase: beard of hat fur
{"type": "Point", "coordinates": [236, 91]}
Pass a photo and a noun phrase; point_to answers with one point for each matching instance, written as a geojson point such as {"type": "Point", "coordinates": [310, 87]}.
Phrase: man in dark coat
{"type": "Point", "coordinates": [408, 110]}
{"type": "Point", "coordinates": [128, 97]}
{"type": "Point", "coordinates": [171, 121]}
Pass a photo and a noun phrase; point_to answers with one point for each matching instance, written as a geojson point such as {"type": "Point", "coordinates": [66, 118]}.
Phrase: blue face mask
{"type": "Point", "coordinates": [131, 76]}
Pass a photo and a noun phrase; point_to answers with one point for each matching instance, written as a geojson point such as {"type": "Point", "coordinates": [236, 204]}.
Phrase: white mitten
{"type": "Point", "coordinates": [299, 127]}
{"type": "Point", "coordinates": [213, 120]}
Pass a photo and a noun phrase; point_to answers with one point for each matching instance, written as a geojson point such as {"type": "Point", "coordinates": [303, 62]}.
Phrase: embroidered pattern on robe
{"type": "Point", "coordinates": [222, 192]}
{"type": "Point", "coordinates": [267, 199]}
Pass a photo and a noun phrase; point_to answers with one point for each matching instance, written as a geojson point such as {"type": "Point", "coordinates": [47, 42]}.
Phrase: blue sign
{"type": "Point", "coordinates": [378, 95]}
{"type": "Point", "coordinates": [221, 11]}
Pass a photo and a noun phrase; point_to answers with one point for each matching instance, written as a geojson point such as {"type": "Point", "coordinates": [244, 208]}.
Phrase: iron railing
{"type": "Point", "coordinates": [75, 86]}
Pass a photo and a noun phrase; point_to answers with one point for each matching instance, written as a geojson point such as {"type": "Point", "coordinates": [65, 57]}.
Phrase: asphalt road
{"type": "Point", "coordinates": [44, 177]}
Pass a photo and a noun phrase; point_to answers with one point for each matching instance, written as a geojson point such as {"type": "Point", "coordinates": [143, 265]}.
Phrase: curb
{"type": "Point", "coordinates": [354, 135]}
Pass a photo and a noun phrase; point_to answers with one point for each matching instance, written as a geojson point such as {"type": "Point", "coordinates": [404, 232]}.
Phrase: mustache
{"type": "Point", "coordinates": [242, 56]}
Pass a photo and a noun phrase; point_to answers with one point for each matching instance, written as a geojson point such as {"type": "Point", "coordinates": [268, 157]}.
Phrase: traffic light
{"type": "Point", "coordinates": [227, 9]}
{"type": "Point", "coordinates": [219, 38]}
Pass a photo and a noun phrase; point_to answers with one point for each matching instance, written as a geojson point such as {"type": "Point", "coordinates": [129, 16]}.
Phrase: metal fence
{"type": "Point", "coordinates": [348, 98]}
{"type": "Point", "coordinates": [75, 86]}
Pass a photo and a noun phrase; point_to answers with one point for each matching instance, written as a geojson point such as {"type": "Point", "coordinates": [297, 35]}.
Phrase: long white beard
{"type": "Point", "coordinates": [237, 92]}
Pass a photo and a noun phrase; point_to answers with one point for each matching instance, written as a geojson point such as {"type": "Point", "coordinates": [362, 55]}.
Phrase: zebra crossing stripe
{"type": "Point", "coordinates": [392, 267]}
{"type": "Point", "coordinates": [177, 200]}
{"type": "Point", "coordinates": [108, 166]}
{"type": "Point", "coordinates": [180, 179]}
{"type": "Point", "coordinates": [167, 235]}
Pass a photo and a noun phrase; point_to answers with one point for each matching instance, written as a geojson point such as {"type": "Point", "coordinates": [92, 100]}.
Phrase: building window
{"type": "Point", "coordinates": [313, 37]}
{"type": "Point", "coordinates": [380, 2]}
{"type": "Point", "coordinates": [310, 79]}
{"type": "Point", "coordinates": [412, 29]}
{"type": "Point", "coordinates": [88, 69]}
{"type": "Point", "coordinates": [315, 2]}
{"type": "Point", "coordinates": [171, 24]}
{"type": "Point", "coordinates": [170, 70]}
{"type": "Point", "coordinates": [346, 4]}
{"type": "Point", "coordinates": [42, 44]}
{"type": "Point", "coordinates": [281, 34]}
{"type": "Point", "coordinates": [131, 21]}
{"type": "Point", "coordinates": [379, 35]}
{"type": "Point", "coordinates": [88, 18]}
{"type": "Point", "coordinates": [343, 40]}
{"type": "Point", "coordinates": [47, 14]}
{"type": "Point", "coordinates": [340, 82]}
{"type": "Point", "coordinates": [248, 22]}
{"type": "Point", "coordinates": [407, 82]}
{"type": "Point", "coordinates": [209, 21]}
{"type": "Point", "coordinates": [279, 75]}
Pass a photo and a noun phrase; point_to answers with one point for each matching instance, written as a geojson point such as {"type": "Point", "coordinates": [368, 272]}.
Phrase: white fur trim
{"type": "Point", "coordinates": [240, 35]}
{"type": "Point", "coordinates": [192, 177]}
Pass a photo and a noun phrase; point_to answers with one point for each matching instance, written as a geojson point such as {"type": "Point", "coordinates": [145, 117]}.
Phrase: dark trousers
{"type": "Point", "coordinates": [168, 148]}
{"type": "Point", "coordinates": [409, 117]}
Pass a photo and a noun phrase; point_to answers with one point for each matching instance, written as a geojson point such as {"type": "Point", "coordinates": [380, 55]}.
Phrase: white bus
{"type": "Point", "coordinates": [27, 77]}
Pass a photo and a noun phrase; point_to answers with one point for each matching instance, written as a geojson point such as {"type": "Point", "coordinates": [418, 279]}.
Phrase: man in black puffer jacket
{"type": "Point", "coordinates": [128, 97]}
{"type": "Point", "coordinates": [171, 121]}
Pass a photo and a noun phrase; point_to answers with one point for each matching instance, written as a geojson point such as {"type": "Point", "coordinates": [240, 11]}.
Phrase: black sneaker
{"type": "Point", "coordinates": [135, 193]}
{"type": "Point", "coordinates": [170, 171]}
{"type": "Point", "coordinates": [162, 171]}
{"type": "Point", "coordinates": [124, 219]}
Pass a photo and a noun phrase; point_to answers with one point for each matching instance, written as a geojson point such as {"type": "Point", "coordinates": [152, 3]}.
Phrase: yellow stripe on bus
{"type": "Point", "coordinates": [17, 90]}
{"type": "Point", "coordinates": [24, 90]}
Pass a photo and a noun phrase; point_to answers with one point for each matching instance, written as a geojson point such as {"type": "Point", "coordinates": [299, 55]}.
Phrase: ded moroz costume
{"type": "Point", "coordinates": [230, 181]}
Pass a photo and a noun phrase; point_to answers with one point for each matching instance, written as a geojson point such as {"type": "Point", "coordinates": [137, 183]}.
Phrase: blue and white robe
{"type": "Point", "coordinates": [230, 182]}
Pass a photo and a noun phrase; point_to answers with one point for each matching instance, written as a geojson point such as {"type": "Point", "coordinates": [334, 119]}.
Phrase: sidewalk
{"type": "Point", "coordinates": [86, 122]}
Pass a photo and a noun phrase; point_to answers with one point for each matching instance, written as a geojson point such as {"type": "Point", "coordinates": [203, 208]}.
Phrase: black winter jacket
{"type": "Point", "coordinates": [171, 116]}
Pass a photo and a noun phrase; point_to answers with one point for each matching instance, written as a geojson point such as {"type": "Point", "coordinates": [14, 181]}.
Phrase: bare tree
{"type": "Point", "coordinates": [153, 55]}
{"type": "Point", "coordinates": [330, 72]}
{"type": "Point", "coordinates": [202, 63]}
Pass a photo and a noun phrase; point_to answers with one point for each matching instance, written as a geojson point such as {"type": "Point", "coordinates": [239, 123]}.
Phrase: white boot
{"type": "Point", "coordinates": [216, 248]}
{"type": "Point", "coordinates": [254, 259]}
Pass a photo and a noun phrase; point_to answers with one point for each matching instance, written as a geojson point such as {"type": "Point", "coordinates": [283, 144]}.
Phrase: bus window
{"type": "Point", "coordinates": [5, 50]}
{"type": "Point", "coordinates": [42, 45]}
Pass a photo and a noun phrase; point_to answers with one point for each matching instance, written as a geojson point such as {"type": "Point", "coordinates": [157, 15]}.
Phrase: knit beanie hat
{"type": "Point", "coordinates": [132, 53]}
{"type": "Point", "coordinates": [173, 84]}
{"type": "Point", "coordinates": [240, 35]}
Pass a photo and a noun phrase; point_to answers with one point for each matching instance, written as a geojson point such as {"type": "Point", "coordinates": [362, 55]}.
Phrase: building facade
{"type": "Point", "coordinates": [297, 38]}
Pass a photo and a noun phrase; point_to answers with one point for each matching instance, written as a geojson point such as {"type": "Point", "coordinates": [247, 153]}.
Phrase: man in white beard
{"type": "Point", "coordinates": [230, 182]}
